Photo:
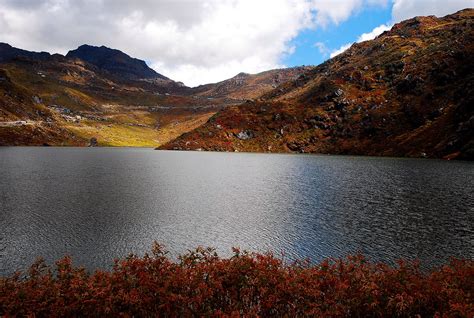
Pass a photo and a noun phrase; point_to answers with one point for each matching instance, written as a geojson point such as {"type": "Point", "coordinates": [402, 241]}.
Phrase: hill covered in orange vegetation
{"type": "Point", "coordinates": [409, 92]}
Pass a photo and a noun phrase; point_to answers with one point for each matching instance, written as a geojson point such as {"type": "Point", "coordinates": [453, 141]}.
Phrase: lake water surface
{"type": "Point", "coordinates": [97, 204]}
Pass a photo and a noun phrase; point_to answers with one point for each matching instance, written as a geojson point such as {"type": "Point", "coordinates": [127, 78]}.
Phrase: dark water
{"type": "Point", "coordinates": [97, 204]}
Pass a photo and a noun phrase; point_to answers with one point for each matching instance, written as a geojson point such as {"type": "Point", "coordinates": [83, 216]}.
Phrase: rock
{"type": "Point", "coordinates": [93, 142]}
{"type": "Point", "coordinates": [37, 100]}
{"type": "Point", "coordinates": [295, 146]}
{"type": "Point", "coordinates": [245, 134]}
{"type": "Point", "coordinates": [340, 104]}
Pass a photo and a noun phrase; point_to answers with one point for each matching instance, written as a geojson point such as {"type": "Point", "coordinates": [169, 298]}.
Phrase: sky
{"type": "Point", "coordinates": [199, 42]}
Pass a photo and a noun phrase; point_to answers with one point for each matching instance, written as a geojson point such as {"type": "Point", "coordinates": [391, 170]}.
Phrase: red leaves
{"type": "Point", "coordinates": [203, 284]}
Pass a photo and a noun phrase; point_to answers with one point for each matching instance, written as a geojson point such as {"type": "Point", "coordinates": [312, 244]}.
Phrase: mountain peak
{"type": "Point", "coordinates": [8, 52]}
{"type": "Point", "coordinates": [114, 61]}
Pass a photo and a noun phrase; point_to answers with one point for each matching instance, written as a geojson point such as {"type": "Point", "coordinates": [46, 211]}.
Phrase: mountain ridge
{"type": "Point", "coordinates": [8, 53]}
{"type": "Point", "coordinates": [250, 86]}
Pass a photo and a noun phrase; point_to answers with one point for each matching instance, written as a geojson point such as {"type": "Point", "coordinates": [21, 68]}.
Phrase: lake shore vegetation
{"type": "Point", "coordinates": [201, 283]}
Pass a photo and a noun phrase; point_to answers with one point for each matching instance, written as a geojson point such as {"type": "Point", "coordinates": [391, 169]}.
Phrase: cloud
{"type": "Point", "coordinates": [406, 9]}
{"type": "Point", "coordinates": [340, 50]}
{"type": "Point", "coordinates": [322, 48]}
{"type": "Point", "coordinates": [191, 41]}
{"type": "Point", "coordinates": [336, 11]}
{"type": "Point", "coordinates": [363, 37]}
{"type": "Point", "coordinates": [374, 33]}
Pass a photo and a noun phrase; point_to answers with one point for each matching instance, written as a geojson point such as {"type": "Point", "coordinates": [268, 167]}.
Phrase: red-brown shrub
{"type": "Point", "coordinates": [246, 284]}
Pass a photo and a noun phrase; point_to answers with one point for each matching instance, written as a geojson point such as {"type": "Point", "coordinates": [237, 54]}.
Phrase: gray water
{"type": "Point", "coordinates": [97, 204]}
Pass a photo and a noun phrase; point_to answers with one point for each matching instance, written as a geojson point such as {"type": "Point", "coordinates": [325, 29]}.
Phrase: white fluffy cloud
{"type": "Point", "coordinates": [340, 50]}
{"type": "Point", "coordinates": [188, 40]}
{"type": "Point", "coordinates": [406, 9]}
{"type": "Point", "coordinates": [374, 33]}
{"type": "Point", "coordinates": [363, 37]}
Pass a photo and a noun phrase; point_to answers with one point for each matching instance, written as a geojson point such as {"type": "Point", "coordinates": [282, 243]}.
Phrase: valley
{"type": "Point", "coordinates": [97, 92]}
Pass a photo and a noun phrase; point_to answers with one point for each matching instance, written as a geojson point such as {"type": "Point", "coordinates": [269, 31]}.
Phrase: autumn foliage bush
{"type": "Point", "coordinates": [201, 283]}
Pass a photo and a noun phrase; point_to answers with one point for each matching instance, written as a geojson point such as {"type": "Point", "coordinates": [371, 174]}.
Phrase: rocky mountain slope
{"type": "Point", "coordinates": [409, 92]}
{"type": "Point", "coordinates": [102, 93]}
{"type": "Point", "coordinates": [61, 100]}
{"type": "Point", "coordinates": [250, 86]}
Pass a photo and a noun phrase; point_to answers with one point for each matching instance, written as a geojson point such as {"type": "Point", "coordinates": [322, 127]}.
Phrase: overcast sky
{"type": "Point", "coordinates": [199, 42]}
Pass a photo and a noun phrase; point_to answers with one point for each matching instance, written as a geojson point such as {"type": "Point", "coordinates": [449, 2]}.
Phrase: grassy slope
{"type": "Point", "coordinates": [119, 114]}
{"type": "Point", "coordinates": [124, 134]}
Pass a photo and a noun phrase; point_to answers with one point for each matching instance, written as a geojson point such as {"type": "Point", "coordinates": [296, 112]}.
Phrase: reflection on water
{"type": "Point", "coordinates": [97, 204]}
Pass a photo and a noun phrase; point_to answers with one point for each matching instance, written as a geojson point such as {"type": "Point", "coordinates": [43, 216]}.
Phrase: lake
{"type": "Point", "coordinates": [97, 204]}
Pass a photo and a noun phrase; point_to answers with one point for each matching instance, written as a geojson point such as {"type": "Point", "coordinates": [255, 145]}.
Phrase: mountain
{"type": "Point", "coordinates": [8, 53]}
{"type": "Point", "coordinates": [115, 62]}
{"type": "Point", "coordinates": [102, 93]}
{"type": "Point", "coordinates": [67, 100]}
{"type": "Point", "coordinates": [250, 86]}
{"type": "Point", "coordinates": [409, 92]}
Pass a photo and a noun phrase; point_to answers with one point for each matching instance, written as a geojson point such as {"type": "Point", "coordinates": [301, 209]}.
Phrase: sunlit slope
{"type": "Point", "coordinates": [409, 92]}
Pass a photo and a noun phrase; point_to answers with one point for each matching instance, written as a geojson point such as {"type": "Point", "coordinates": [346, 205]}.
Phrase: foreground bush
{"type": "Point", "coordinates": [203, 284]}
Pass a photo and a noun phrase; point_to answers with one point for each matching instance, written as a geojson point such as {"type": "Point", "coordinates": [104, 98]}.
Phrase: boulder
{"type": "Point", "coordinates": [245, 134]}
{"type": "Point", "coordinates": [93, 142]}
